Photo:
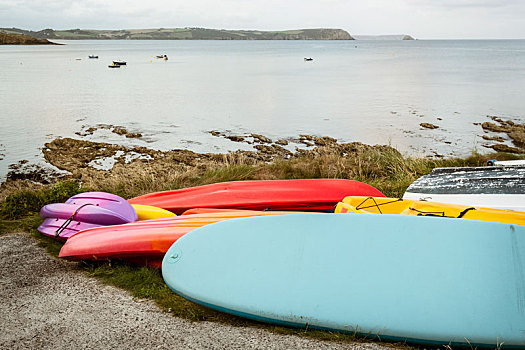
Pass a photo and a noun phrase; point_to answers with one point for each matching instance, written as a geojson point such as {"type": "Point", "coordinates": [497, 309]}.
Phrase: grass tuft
{"type": "Point", "coordinates": [27, 202]}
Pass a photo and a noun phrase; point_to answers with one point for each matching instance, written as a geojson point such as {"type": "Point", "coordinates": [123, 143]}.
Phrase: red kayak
{"type": "Point", "coordinates": [304, 195]}
{"type": "Point", "coordinates": [143, 242]}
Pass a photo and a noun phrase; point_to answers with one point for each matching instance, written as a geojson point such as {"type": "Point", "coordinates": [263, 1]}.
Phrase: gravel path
{"type": "Point", "coordinates": [47, 304]}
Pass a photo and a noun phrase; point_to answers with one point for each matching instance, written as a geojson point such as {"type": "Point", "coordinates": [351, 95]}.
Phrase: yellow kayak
{"type": "Point", "coordinates": [148, 212]}
{"type": "Point", "coordinates": [382, 205]}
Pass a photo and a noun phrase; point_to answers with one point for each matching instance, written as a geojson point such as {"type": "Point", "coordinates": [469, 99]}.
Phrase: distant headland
{"type": "Point", "coordinates": [384, 37]}
{"type": "Point", "coordinates": [22, 39]}
{"type": "Point", "coordinates": [13, 36]}
{"type": "Point", "coordinates": [184, 34]}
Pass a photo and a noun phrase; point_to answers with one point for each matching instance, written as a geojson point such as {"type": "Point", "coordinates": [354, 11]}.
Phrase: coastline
{"type": "Point", "coordinates": [98, 164]}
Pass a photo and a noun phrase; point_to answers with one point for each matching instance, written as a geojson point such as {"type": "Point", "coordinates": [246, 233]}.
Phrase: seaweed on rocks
{"type": "Point", "coordinates": [504, 148]}
{"type": "Point", "coordinates": [116, 129]}
{"type": "Point", "coordinates": [492, 138]}
{"type": "Point", "coordinates": [515, 131]}
{"type": "Point", "coordinates": [429, 126]}
{"type": "Point", "coordinates": [260, 138]}
{"type": "Point", "coordinates": [142, 167]}
{"type": "Point", "coordinates": [23, 170]}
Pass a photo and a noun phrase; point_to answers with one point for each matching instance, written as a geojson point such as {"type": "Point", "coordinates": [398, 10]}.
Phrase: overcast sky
{"type": "Point", "coordinates": [423, 19]}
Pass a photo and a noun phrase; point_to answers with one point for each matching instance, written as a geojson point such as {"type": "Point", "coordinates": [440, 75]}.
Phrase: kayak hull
{"type": "Point", "coordinates": [283, 195]}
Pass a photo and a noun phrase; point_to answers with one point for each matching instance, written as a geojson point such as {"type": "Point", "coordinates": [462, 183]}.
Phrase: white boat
{"type": "Point", "coordinates": [500, 187]}
{"type": "Point", "coordinates": [494, 162]}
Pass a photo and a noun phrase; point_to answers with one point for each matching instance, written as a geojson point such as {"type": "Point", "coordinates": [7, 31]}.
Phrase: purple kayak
{"type": "Point", "coordinates": [83, 211]}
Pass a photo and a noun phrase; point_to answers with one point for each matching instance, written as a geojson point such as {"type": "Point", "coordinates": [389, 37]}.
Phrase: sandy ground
{"type": "Point", "coordinates": [46, 304]}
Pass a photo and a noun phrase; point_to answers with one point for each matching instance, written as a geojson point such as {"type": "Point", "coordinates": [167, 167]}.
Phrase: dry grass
{"type": "Point", "coordinates": [380, 166]}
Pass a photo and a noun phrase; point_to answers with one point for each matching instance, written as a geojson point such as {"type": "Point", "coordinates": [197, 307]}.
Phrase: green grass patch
{"type": "Point", "coordinates": [26, 224]}
{"type": "Point", "coordinates": [228, 173]}
{"type": "Point", "coordinates": [26, 202]}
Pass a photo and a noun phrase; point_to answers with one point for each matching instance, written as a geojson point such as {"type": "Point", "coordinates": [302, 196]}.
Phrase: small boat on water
{"type": "Point", "coordinates": [113, 65]}
{"type": "Point", "coordinates": [164, 57]}
{"type": "Point", "coordinates": [120, 63]}
{"type": "Point", "coordinates": [93, 56]}
{"type": "Point", "coordinates": [308, 59]}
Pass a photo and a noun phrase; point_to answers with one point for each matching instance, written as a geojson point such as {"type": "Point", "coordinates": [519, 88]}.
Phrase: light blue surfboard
{"type": "Point", "coordinates": [422, 279]}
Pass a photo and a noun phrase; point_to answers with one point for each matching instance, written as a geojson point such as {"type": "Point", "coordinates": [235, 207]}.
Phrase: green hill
{"type": "Point", "coordinates": [185, 34]}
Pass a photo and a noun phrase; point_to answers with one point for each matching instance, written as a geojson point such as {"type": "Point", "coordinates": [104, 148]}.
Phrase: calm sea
{"type": "Point", "coordinates": [368, 91]}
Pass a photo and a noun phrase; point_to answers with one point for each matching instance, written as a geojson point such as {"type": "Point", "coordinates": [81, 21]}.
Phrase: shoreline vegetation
{"type": "Point", "coordinates": [138, 170]}
{"type": "Point", "coordinates": [193, 33]}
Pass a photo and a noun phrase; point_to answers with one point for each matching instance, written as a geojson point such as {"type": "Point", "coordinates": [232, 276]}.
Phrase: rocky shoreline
{"type": "Point", "coordinates": [516, 132]}
{"type": "Point", "coordinates": [96, 163]}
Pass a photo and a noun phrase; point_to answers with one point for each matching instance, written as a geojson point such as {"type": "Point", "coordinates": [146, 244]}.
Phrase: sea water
{"type": "Point", "coordinates": [376, 92]}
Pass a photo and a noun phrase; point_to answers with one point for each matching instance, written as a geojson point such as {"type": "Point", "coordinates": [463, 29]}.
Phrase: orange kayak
{"type": "Point", "coordinates": [144, 242]}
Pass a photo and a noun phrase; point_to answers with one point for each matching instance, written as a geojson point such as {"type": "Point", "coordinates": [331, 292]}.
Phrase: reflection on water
{"type": "Point", "coordinates": [368, 91]}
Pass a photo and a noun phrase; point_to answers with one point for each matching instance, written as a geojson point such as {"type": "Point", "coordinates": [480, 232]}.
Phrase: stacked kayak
{"type": "Point", "coordinates": [383, 205]}
{"type": "Point", "coordinates": [84, 211]}
{"type": "Point", "coordinates": [498, 186]}
{"type": "Point", "coordinates": [302, 195]}
{"type": "Point", "coordinates": [399, 277]}
{"type": "Point", "coordinates": [143, 242]}
{"type": "Point", "coordinates": [148, 212]}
